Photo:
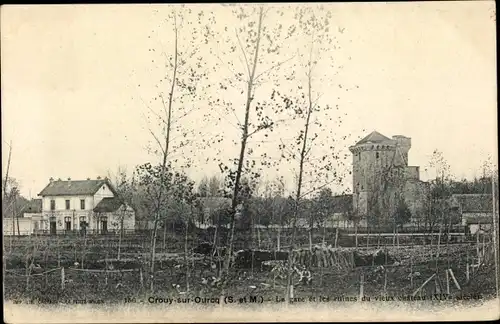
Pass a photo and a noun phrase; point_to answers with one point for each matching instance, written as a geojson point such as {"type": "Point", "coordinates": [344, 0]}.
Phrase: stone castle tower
{"type": "Point", "coordinates": [380, 173]}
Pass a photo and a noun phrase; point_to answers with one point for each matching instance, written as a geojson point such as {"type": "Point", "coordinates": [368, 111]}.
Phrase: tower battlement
{"type": "Point", "coordinates": [402, 141]}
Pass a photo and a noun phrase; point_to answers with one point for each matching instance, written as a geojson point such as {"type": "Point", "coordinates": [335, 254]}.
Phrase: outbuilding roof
{"type": "Point", "coordinates": [473, 203]}
{"type": "Point", "coordinates": [108, 205]}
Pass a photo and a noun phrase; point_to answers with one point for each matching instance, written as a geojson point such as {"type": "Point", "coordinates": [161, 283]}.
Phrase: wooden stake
{"type": "Point", "coordinates": [423, 285]}
{"type": "Point", "coordinates": [483, 248]}
{"type": "Point", "coordinates": [454, 279]}
{"type": "Point", "coordinates": [447, 282]}
{"type": "Point", "coordinates": [62, 278]}
{"type": "Point", "coordinates": [438, 286]}
{"type": "Point", "coordinates": [477, 246]}
{"type": "Point", "coordinates": [336, 236]}
{"type": "Point", "coordinates": [385, 281]}
{"type": "Point", "coordinates": [361, 286]}
{"type": "Point", "coordinates": [411, 271]}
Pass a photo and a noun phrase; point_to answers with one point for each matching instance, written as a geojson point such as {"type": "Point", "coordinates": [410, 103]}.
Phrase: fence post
{"type": "Point", "coordinates": [62, 278]}
{"type": "Point", "coordinates": [361, 286]}
{"type": "Point", "coordinates": [447, 282]}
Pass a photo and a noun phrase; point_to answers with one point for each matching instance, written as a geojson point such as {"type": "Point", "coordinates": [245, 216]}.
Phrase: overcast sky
{"type": "Point", "coordinates": [72, 107]}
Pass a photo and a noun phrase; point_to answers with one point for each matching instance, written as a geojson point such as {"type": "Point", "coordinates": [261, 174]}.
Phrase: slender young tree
{"type": "Point", "coordinates": [440, 193]}
{"type": "Point", "coordinates": [314, 147]}
{"type": "Point", "coordinates": [177, 96]}
{"type": "Point", "coordinates": [257, 40]}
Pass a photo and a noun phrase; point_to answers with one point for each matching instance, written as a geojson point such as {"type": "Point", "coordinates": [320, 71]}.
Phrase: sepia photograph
{"type": "Point", "coordinates": [246, 162]}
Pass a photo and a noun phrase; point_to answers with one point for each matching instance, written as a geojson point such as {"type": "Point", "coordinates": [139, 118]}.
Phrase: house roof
{"type": "Point", "coordinates": [375, 137]}
{"type": "Point", "coordinates": [74, 187]}
{"type": "Point", "coordinates": [108, 205]}
{"type": "Point", "coordinates": [33, 206]}
{"type": "Point", "coordinates": [473, 203]}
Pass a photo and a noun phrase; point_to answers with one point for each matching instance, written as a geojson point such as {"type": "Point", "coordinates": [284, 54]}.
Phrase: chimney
{"type": "Point", "coordinates": [88, 178]}
{"type": "Point", "coordinates": [98, 177]}
{"type": "Point", "coordinates": [51, 179]}
{"type": "Point", "coordinates": [59, 179]}
{"type": "Point", "coordinates": [69, 179]}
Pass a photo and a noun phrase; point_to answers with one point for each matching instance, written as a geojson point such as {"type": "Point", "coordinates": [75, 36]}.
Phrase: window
{"type": "Point", "coordinates": [83, 222]}
{"type": "Point", "coordinates": [82, 204]}
{"type": "Point", "coordinates": [52, 205]}
{"type": "Point", "coordinates": [377, 155]}
{"type": "Point", "coordinates": [67, 204]}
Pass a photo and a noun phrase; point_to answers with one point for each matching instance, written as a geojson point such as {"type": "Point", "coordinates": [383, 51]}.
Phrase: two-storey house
{"type": "Point", "coordinates": [92, 205]}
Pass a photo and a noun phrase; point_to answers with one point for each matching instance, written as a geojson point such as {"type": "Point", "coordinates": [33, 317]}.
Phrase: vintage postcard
{"type": "Point", "coordinates": [249, 162]}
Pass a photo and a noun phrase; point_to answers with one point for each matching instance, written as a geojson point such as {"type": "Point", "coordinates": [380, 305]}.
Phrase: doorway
{"type": "Point", "coordinates": [53, 228]}
{"type": "Point", "coordinates": [104, 225]}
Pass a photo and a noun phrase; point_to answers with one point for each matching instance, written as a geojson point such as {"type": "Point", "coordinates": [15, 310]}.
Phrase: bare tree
{"type": "Point", "coordinates": [254, 40]}
{"type": "Point", "coordinates": [214, 186]}
{"type": "Point", "coordinates": [184, 72]}
{"type": "Point", "coordinates": [315, 170]}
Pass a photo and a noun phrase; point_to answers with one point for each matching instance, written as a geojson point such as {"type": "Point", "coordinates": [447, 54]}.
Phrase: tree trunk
{"type": "Point", "coordinates": [120, 238]}
{"type": "Point", "coordinates": [244, 139]}
{"type": "Point", "coordinates": [310, 239]}
{"type": "Point", "coordinates": [185, 255]}
{"type": "Point", "coordinates": [356, 233]}
{"type": "Point", "coordinates": [324, 234]}
{"type": "Point", "coordinates": [215, 244]}
{"type": "Point", "coordinates": [165, 236]}
{"type": "Point", "coordinates": [164, 163]}
{"type": "Point", "coordinates": [279, 238]}
{"type": "Point", "coordinates": [303, 154]}
{"type": "Point", "coordinates": [17, 218]}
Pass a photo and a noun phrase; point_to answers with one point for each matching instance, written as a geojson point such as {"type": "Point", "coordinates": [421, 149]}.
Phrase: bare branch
{"type": "Point", "coordinates": [239, 122]}
{"type": "Point", "coordinates": [154, 135]}
{"type": "Point", "coordinates": [164, 104]}
{"type": "Point", "coordinates": [183, 115]}
{"type": "Point", "coordinates": [274, 66]}
{"type": "Point", "coordinates": [152, 111]}
{"type": "Point", "coordinates": [244, 53]}
{"type": "Point", "coordinates": [318, 188]}
{"type": "Point", "coordinates": [230, 70]}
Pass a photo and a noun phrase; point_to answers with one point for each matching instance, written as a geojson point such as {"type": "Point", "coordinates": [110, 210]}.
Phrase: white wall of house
{"type": "Point", "coordinates": [73, 200]}
{"type": "Point", "coordinates": [114, 219]}
{"type": "Point", "coordinates": [74, 212]}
